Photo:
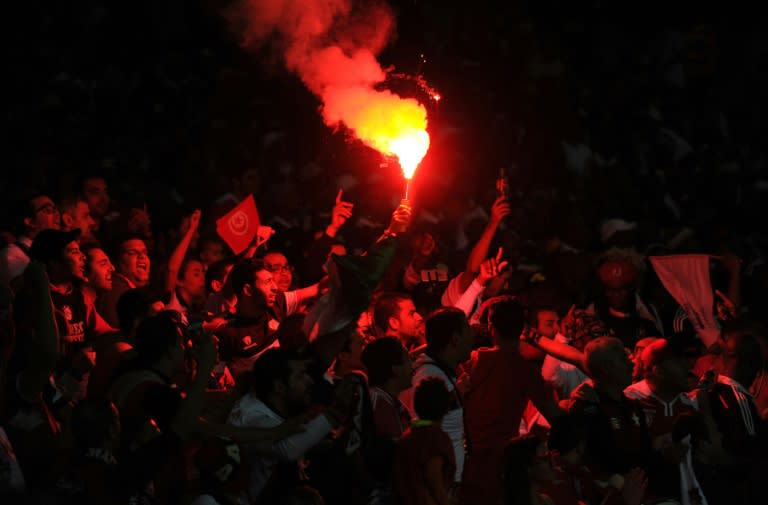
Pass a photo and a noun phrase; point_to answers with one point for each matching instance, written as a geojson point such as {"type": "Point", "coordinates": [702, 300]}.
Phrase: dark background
{"type": "Point", "coordinates": [159, 97]}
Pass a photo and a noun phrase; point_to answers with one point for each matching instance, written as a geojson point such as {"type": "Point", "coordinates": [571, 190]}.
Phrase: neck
{"type": "Point", "coordinates": [662, 392]}
{"type": "Point", "coordinates": [391, 389]}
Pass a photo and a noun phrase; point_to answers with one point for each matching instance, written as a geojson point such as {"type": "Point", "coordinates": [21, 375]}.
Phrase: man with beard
{"type": "Point", "coordinates": [395, 316]}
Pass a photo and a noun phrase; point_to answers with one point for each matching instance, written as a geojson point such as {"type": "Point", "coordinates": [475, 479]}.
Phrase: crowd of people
{"type": "Point", "coordinates": [470, 348]}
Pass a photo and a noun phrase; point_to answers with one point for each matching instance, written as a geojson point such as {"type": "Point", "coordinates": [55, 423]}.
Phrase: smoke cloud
{"type": "Point", "coordinates": [331, 45]}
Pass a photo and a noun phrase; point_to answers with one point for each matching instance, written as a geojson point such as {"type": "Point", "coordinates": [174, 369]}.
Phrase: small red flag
{"type": "Point", "coordinates": [239, 226]}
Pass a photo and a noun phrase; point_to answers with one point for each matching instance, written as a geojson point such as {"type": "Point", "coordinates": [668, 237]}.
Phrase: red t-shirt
{"type": "Point", "coordinates": [501, 383]}
{"type": "Point", "coordinates": [416, 448]}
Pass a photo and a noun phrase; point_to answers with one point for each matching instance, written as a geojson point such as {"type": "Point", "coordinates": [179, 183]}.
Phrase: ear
{"type": "Point", "coordinates": [394, 323]}
{"type": "Point", "coordinates": [248, 290]}
{"type": "Point", "coordinates": [66, 220]}
{"type": "Point", "coordinates": [28, 222]}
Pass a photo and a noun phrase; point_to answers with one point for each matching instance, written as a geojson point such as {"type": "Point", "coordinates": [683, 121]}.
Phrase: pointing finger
{"type": "Point", "coordinates": [339, 195]}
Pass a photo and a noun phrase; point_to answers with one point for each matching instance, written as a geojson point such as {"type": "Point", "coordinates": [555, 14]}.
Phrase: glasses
{"type": "Point", "coordinates": [276, 269]}
{"type": "Point", "coordinates": [48, 208]}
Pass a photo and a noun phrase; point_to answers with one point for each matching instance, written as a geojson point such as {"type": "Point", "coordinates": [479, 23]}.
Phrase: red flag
{"type": "Point", "coordinates": [686, 277]}
{"type": "Point", "coordinates": [239, 226]}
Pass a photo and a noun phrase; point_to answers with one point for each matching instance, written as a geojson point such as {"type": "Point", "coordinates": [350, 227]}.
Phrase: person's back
{"type": "Point", "coordinates": [424, 460]}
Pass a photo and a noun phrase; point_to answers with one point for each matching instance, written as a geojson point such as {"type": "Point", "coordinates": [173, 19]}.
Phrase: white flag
{"type": "Point", "coordinates": [686, 277]}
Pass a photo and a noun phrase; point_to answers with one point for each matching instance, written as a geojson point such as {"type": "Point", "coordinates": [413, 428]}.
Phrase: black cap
{"type": "Point", "coordinates": [50, 244]}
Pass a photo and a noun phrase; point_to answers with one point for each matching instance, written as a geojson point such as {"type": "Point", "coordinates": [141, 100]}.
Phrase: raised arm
{"type": "Point", "coordinates": [499, 211]}
{"type": "Point", "coordinates": [189, 227]}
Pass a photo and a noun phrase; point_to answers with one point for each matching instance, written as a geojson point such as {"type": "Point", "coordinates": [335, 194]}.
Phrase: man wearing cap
{"type": "Point", "coordinates": [79, 325]}
{"type": "Point", "coordinates": [662, 397]}
{"type": "Point", "coordinates": [619, 305]}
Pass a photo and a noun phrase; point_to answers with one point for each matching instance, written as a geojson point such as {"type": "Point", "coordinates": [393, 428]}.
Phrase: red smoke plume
{"type": "Point", "coordinates": [332, 46]}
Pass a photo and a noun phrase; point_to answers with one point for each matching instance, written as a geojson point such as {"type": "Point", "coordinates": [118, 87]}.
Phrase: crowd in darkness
{"type": "Point", "coordinates": [515, 349]}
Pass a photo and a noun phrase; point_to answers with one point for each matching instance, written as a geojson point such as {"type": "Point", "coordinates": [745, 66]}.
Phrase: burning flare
{"type": "Point", "coordinates": [332, 45]}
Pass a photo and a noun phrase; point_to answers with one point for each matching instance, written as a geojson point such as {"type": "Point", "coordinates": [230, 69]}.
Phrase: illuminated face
{"type": "Point", "coordinates": [409, 324]}
{"type": "Point", "coordinates": [80, 218]}
{"type": "Point", "coordinates": [193, 279]}
{"type": "Point", "coordinates": [99, 270]}
{"type": "Point", "coordinates": [211, 252]}
{"type": "Point", "coordinates": [266, 284]}
{"type": "Point", "coordinates": [96, 196]}
{"type": "Point", "coordinates": [134, 262]}
{"type": "Point", "coordinates": [548, 324]}
{"type": "Point", "coordinates": [75, 260]}
{"type": "Point", "coordinates": [278, 265]}
{"type": "Point", "coordinates": [45, 215]}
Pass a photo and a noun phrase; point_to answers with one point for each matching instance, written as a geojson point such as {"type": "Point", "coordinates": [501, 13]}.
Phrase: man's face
{"type": "Point", "coordinates": [278, 265]}
{"type": "Point", "coordinates": [265, 283]}
{"type": "Point", "coordinates": [409, 323]}
{"type": "Point", "coordinates": [548, 324]}
{"type": "Point", "coordinates": [212, 252]}
{"type": "Point", "coordinates": [465, 342]}
{"type": "Point", "coordinates": [80, 218]}
{"type": "Point", "coordinates": [352, 357]}
{"type": "Point", "coordinates": [96, 196]}
{"type": "Point", "coordinates": [298, 387]}
{"type": "Point", "coordinates": [621, 367]}
{"type": "Point", "coordinates": [193, 280]}
{"type": "Point", "coordinates": [74, 260]}
{"type": "Point", "coordinates": [45, 215]}
{"type": "Point", "coordinates": [134, 262]}
{"type": "Point", "coordinates": [619, 297]}
{"type": "Point", "coordinates": [673, 372]}
{"type": "Point", "coordinates": [403, 372]}
{"type": "Point", "coordinates": [100, 270]}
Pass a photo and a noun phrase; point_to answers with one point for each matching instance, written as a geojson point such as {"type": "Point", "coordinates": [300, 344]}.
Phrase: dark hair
{"type": "Point", "coordinates": [566, 433]}
{"type": "Point", "coordinates": [533, 313]}
{"type": "Point", "coordinates": [387, 305]}
{"type": "Point", "coordinates": [114, 248]}
{"type": "Point", "coordinates": [23, 208]}
{"type": "Point", "coordinates": [518, 456]}
{"type": "Point", "coordinates": [133, 305]}
{"type": "Point", "coordinates": [216, 272]}
{"type": "Point", "coordinates": [379, 357]}
{"type": "Point", "coordinates": [185, 265]}
{"type": "Point", "coordinates": [273, 365]}
{"type": "Point", "coordinates": [155, 335]}
{"type": "Point", "coordinates": [441, 325]}
{"type": "Point", "coordinates": [92, 420]}
{"type": "Point", "coordinates": [244, 273]}
{"type": "Point", "coordinates": [507, 316]}
{"type": "Point", "coordinates": [431, 400]}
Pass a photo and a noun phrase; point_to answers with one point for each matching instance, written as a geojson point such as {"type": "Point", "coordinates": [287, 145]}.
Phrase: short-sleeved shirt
{"type": "Point", "coordinates": [415, 449]}
{"type": "Point", "coordinates": [502, 382]}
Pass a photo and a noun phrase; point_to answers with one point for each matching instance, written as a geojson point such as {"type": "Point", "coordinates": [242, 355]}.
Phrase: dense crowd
{"type": "Point", "coordinates": [476, 346]}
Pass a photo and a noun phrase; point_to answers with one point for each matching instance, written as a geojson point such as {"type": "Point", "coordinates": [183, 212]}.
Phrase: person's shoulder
{"type": "Point", "coordinates": [250, 411]}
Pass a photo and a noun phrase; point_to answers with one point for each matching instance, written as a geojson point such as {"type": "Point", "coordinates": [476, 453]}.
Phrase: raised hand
{"type": "Point", "coordinates": [492, 267]}
{"type": "Point", "coordinates": [341, 212]}
{"type": "Point", "coordinates": [401, 219]}
{"type": "Point", "coordinates": [500, 210]}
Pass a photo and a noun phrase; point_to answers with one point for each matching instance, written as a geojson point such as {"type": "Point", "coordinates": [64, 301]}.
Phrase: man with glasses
{"type": "Point", "coordinates": [277, 263]}
{"type": "Point", "coordinates": [33, 214]}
